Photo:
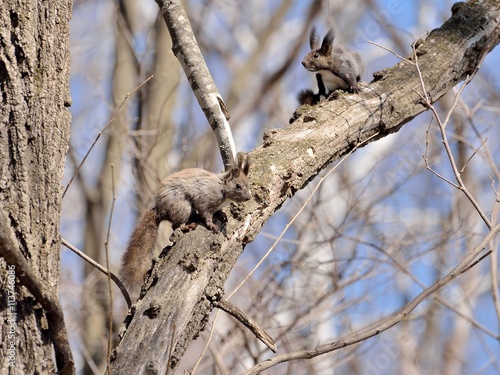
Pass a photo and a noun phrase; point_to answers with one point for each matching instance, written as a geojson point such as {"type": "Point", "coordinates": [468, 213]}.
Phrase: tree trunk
{"type": "Point", "coordinates": [190, 277]}
{"type": "Point", "coordinates": [34, 135]}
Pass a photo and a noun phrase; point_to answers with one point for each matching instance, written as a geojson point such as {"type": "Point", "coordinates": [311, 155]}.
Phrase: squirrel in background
{"type": "Point", "coordinates": [180, 195]}
{"type": "Point", "coordinates": [336, 68]}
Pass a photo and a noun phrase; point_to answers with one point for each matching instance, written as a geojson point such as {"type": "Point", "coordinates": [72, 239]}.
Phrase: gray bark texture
{"type": "Point", "coordinates": [34, 135]}
{"type": "Point", "coordinates": [190, 276]}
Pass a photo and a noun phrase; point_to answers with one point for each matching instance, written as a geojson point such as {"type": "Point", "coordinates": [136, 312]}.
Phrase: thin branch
{"type": "Point", "coordinates": [422, 83]}
{"type": "Point", "coordinates": [430, 169]}
{"type": "Point", "coordinates": [477, 261]}
{"type": "Point", "coordinates": [494, 281]}
{"type": "Point", "coordinates": [444, 139]}
{"type": "Point", "coordinates": [209, 339]}
{"type": "Point", "coordinates": [383, 324]}
{"type": "Point", "coordinates": [248, 322]}
{"type": "Point", "coordinates": [101, 132]}
{"type": "Point", "coordinates": [442, 127]}
{"type": "Point", "coordinates": [391, 51]}
{"type": "Point", "coordinates": [473, 154]}
{"type": "Point", "coordinates": [110, 289]}
{"type": "Point", "coordinates": [437, 297]}
{"type": "Point", "coordinates": [116, 280]}
{"type": "Point", "coordinates": [455, 102]}
{"type": "Point", "coordinates": [494, 259]}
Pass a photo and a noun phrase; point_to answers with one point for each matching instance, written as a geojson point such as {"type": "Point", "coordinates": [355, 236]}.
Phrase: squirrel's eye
{"type": "Point", "coordinates": [238, 186]}
{"type": "Point", "coordinates": [316, 55]}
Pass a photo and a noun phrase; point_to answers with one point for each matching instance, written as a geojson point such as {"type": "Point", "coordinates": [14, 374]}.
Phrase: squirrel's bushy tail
{"type": "Point", "coordinates": [139, 254]}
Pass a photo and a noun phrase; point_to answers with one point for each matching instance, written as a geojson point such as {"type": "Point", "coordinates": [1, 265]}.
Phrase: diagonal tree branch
{"type": "Point", "coordinates": [189, 276]}
{"type": "Point", "coordinates": [189, 55]}
{"type": "Point", "coordinates": [248, 322]}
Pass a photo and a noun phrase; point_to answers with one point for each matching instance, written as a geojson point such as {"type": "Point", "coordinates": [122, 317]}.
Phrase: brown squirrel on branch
{"type": "Point", "coordinates": [179, 197]}
{"type": "Point", "coordinates": [336, 68]}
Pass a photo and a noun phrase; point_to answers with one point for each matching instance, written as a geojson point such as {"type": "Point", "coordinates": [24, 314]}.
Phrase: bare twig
{"type": "Point", "coordinates": [437, 297]}
{"type": "Point", "coordinates": [444, 139]}
{"type": "Point", "coordinates": [477, 261]}
{"type": "Point", "coordinates": [442, 128]}
{"type": "Point", "coordinates": [110, 289]}
{"type": "Point", "coordinates": [473, 154]}
{"type": "Point", "coordinates": [383, 324]}
{"type": "Point", "coordinates": [494, 216]}
{"type": "Point", "coordinates": [415, 55]}
{"type": "Point", "coordinates": [391, 51]}
{"type": "Point", "coordinates": [428, 166]}
{"type": "Point", "coordinates": [211, 334]}
{"type": "Point", "coordinates": [117, 281]}
{"type": "Point", "coordinates": [494, 259]}
{"type": "Point", "coordinates": [494, 281]}
{"type": "Point", "coordinates": [101, 132]}
{"type": "Point", "coordinates": [248, 322]}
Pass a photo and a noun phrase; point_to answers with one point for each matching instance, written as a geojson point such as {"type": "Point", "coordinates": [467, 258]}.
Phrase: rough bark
{"type": "Point", "coordinates": [190, 275]}
{"type": "Point", "coordinates": [34, 134]}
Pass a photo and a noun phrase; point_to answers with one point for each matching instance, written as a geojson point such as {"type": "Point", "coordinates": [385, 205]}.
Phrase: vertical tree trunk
{"type": "Point", "coordinates": [34, 134]}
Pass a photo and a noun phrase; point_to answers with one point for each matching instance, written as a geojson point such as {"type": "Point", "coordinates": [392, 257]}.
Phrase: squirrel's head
{"type": "Point", "coordinates": [318, 58]}
{"type": "Point", "coordinates": [236, 180]}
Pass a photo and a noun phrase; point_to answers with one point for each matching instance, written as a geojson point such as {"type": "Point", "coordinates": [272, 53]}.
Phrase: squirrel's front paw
{"type": "Point", "coordinates": [214, 228]}
{"type": "Point", "coordinates": [188, 227]}
{"type": "Point", "coordinates": [354, 89]}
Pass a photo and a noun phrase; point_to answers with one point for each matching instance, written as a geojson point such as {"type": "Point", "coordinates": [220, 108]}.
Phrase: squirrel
{"type": "Point", "coordinates": [180, 196]}
{"type": "Point", "coordinates": [336, 67]}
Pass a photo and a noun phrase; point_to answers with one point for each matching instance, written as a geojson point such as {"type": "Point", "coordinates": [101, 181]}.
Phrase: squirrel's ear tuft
{"type": "Point", "coordinates": [326, 46]}
{"type": "Point", "coordinates": [243, 162]}
{"type": "Point", "coordinates": [314, 39]}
